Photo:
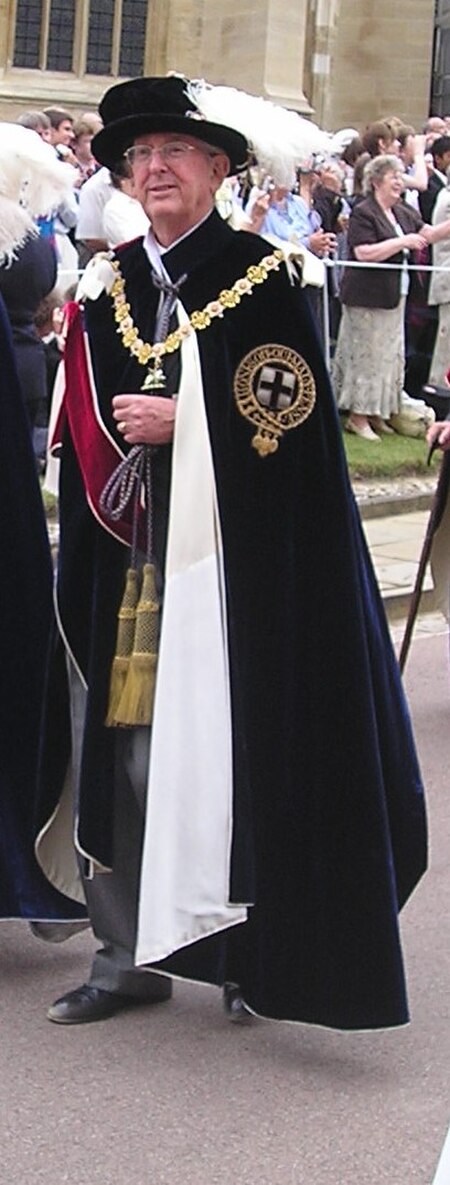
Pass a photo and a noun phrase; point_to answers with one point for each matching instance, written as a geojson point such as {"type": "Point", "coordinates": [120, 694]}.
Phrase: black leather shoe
{"type": "Point", "coordinates": [88, 1003]}
{"type": "Point", "coordinates": [234, 1005]}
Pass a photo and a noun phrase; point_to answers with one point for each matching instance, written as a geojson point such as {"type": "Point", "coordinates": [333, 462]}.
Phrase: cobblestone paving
{"type": "Point", "coordinates": [395, 489]}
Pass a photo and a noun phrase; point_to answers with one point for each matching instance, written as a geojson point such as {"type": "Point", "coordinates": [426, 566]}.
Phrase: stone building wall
{"type": "Point", "coordinates": [381, 62]}
{"type": "Point", "coordinates": [258, 45]}
{"type": "Point", "coordinates": [343, 61]}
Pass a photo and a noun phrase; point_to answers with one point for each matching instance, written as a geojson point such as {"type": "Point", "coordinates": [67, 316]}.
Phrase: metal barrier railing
{"type": "Point", "coordinates": [331, 262]}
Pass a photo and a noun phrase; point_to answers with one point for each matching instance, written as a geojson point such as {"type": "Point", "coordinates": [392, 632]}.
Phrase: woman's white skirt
{"type": "Point", "coordinates": [441, 355]}
{"type": "Point", "coordinates": [369, 363]}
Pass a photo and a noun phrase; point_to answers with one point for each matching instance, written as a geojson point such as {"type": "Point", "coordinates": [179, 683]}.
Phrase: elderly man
{"type": "Point", "coordinates": [259, 824]}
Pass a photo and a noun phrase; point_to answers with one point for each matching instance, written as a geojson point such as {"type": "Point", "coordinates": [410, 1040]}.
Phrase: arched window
{"type": "Point", "coordinates": [104, 37]}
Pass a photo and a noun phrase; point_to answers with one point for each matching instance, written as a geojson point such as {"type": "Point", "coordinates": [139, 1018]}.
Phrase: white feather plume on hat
{"type": "Point", "coordinates": [32, 184]}
{"type": "Point", "coordinates": [281, 140]}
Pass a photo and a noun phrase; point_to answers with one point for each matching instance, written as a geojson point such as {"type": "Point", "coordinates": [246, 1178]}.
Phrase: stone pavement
{"type": "Point", "coordinates": [175, 1095]}
{"type": "Point", "coordinates": [395, 544]}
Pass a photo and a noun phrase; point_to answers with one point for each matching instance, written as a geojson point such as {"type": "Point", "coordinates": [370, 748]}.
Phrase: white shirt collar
{"type": "Point", "coordinates": [155, 252]}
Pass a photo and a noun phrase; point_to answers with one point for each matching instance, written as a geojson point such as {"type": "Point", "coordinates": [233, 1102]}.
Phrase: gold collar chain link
{"type": "Point", "coordinates": [148, 353]}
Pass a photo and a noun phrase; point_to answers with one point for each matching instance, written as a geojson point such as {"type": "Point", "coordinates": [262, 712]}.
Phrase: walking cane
{"type": "Point", "coordinates": [436, 512]}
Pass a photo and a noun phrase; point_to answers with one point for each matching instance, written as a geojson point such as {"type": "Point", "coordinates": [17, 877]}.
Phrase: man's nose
{"type": "Point", "coordinates": [157, 160]}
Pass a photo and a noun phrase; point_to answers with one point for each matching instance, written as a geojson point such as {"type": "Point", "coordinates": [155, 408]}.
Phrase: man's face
{"type": "Point", "coordinates": [64, 133]}
{"type": "Point", "coordinates": [82, 146]}
{"type": "Point", "coordinates": [443, 162]}
{"type": "Point", "coordinates": [44, 133]}
{"type": "Point", "coordinates": [407, 152]}
{"type": "Point", "coordinates": [436, 126]}
{"type": "Point", "coordinates": [329, 179]}
{"type": "Point", "coordinates": [434, 129]}
{"type": "Point", "coordinates": [177, 193]}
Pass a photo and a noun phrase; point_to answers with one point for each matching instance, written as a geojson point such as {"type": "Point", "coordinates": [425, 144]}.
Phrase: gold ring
{"type": "Point", "coordinates": [122, 426]}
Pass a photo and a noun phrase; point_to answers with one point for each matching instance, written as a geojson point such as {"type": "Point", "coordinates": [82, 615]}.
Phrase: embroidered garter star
{"type": "Point", "coordinates": [274, 388]}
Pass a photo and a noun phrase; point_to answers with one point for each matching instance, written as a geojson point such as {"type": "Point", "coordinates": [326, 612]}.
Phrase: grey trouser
{"type": "Point", "coordinates": [112, 897]}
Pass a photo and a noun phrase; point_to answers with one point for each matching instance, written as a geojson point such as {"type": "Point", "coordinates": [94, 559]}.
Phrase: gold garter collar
{"type": "Point", "coordinates": [147, 353]}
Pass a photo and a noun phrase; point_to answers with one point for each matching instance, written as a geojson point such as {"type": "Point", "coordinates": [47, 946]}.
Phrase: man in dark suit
{"type": "Point", "coordinates": [421, 318]}
{"type": "Point", "coordinates": [440, 151]}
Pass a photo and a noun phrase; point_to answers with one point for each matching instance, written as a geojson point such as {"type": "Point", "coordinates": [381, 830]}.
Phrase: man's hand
{"type": "Point", "coordinates": [438, 435]}
{"type": "Point", "coordinates": [321, 242]}
{"type": "Point", "coordinates": [145, 419]}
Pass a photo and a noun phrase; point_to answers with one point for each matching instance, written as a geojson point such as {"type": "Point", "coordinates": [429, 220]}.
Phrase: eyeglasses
{"type": "Point", "coordinates": [172, 153]}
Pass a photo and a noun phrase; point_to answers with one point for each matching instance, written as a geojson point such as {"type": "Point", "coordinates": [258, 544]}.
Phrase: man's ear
{"type": "Point", "coordinates": [221, 168]}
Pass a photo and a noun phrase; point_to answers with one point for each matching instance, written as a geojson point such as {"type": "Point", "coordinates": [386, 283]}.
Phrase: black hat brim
{"type": "Point", "coordinates": [109, 145]}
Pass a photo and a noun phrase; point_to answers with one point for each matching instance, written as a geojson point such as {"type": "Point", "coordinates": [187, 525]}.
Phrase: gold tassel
{"type": "Point", "coordinates": [136, 703]}
{"type": "Point", "coordinates": [124, 644]}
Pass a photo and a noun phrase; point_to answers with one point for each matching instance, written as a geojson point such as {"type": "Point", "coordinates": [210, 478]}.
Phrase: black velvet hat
{"type": "Point", "coordinates": [142, 105]}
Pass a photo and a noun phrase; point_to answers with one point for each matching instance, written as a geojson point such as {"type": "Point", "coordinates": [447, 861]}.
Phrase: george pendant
{"type": "Point", "coordinates": [155, 379]}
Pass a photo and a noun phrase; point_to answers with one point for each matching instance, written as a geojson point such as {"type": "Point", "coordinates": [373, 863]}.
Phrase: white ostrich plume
{"type": "Point", "coordinates": [281, 140]}
{"type": "Point", "coordinates": [32, 183]}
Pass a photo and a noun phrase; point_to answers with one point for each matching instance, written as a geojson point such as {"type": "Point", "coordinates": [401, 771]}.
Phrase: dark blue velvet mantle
{"type": "Point", "coordinates": [25, 619]}
{"type": "Point", "coordinates": [330, 827]}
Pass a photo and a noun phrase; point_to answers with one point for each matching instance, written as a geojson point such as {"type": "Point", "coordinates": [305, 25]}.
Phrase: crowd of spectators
{"type": "Point", "coordinates": [96, 211]}
{"type": "Point", "coordinates": [379, 198]}
{"type": "Point", "coordinates": [335, 212]}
